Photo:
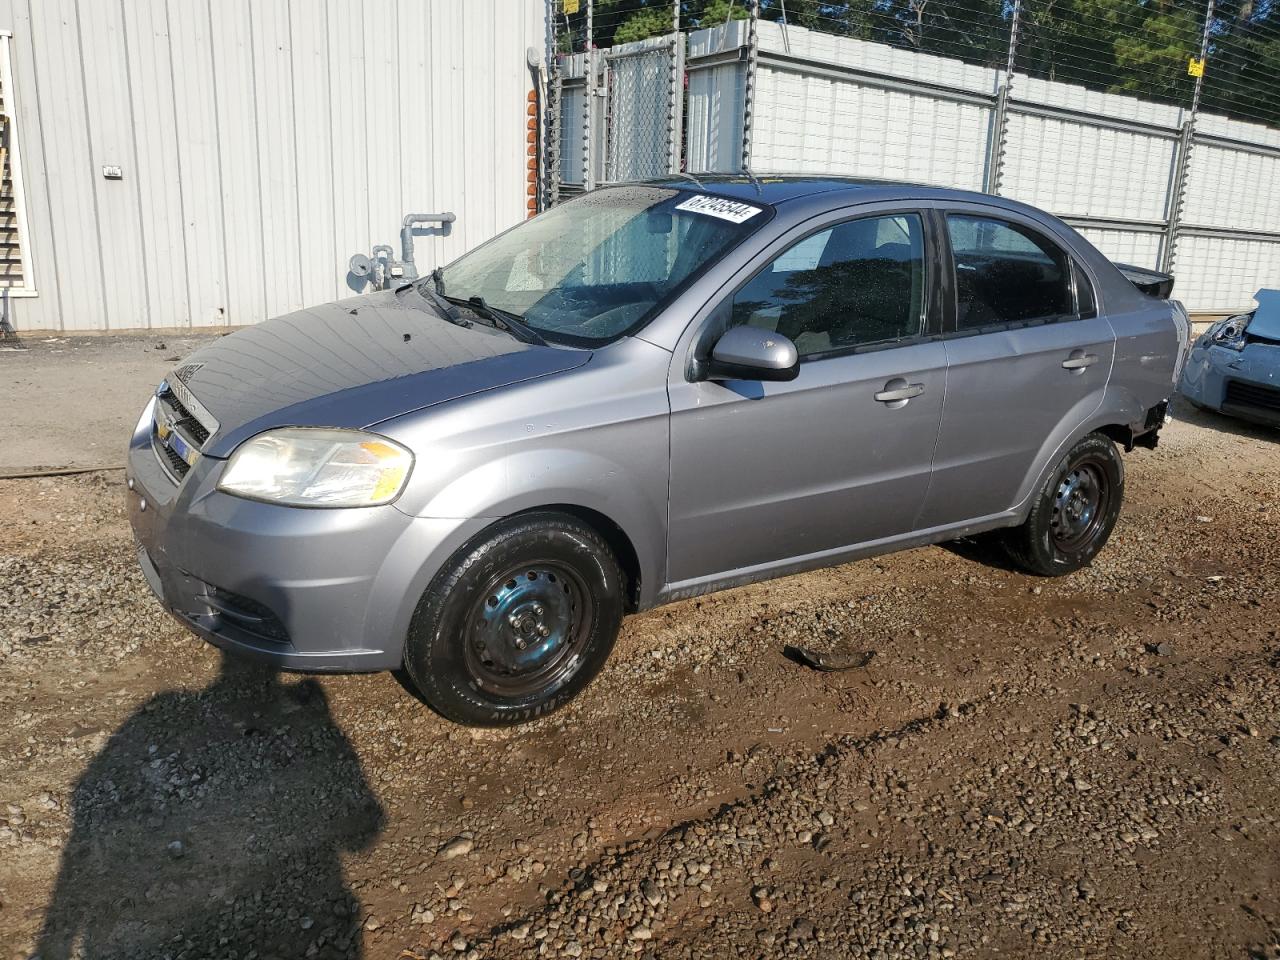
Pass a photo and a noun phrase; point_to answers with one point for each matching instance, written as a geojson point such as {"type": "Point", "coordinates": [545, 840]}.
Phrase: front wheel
{"type": "Point", "coordinates": [1074, 513]}
{"type": "Point", "coordinates": [516, 623]}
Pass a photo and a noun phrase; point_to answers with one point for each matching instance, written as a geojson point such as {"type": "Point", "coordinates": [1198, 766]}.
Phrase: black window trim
{"type": "Point", "coordinates": [951, 308]}
{"type": "Point", "coordinates": [930, 313]}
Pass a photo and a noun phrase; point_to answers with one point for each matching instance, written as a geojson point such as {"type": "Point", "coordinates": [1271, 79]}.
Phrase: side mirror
{"type": "Point", "coordinates": [749, 353]}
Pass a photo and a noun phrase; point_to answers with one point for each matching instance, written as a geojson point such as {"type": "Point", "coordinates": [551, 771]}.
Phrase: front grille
{"type": "Point", "coordinates": [1243, 394]}
{"type": "Point", "coordinates": [246, 615]}
{"type": "Point", "coordinates": [174, 465]}
{"type": "Point", "coordinates": [185, 432]}
{"type": "Point", "coordinates": [182, 417]}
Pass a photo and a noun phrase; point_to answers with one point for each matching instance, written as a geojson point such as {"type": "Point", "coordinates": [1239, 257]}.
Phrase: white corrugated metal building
{"type": "Point", "coordinates": [259, 144]}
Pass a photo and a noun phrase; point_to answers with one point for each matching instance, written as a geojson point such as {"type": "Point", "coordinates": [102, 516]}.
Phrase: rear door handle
{"type": "Point", "coordinates": [1079, 360]}
{"type": "Point", "coordinates": [897, 392]}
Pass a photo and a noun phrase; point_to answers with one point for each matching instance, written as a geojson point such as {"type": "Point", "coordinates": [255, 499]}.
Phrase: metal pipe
{"type": "Point", "coordinates": [406, 236]}
{"type": "Point", "coordinates": [6, 328]}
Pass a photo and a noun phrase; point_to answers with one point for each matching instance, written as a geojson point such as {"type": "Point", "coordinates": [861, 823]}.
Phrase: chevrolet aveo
{"type": "Point", "coordinates": [651, 392]}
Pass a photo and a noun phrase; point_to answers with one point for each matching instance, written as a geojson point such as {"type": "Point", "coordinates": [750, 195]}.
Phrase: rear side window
{"type": "Point", "coordinates": [1007, 273]}
{"type": "Point", "coordinates": [857, 283]}
{"type": "Point", "coordinates": [1086, 302]}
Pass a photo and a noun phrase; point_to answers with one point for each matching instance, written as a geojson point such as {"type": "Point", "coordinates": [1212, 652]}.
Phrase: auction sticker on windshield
{"type": "Point", "coordinates": [732, 210]}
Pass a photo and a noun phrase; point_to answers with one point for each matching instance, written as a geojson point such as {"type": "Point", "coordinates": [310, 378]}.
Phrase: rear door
{"type": "Point", "coordinates": [766, 472]}
{"type": "Point", "coordinates": [1026, 353]}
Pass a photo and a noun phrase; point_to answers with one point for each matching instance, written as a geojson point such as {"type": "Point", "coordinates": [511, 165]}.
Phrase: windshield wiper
{"type": "Point", "coordinates": [502, 319]}
{"type": "Point", "coordinates": [434, 293]}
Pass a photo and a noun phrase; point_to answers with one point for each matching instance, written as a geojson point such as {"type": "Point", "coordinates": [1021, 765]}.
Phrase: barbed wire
{"type": "Point", "coordinates": [1133, 47]}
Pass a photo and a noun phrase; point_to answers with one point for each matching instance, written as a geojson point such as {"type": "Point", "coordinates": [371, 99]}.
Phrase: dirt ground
{"type": "Point", "coordinates": [71, 401]}
{"type": "Point", "coordinates": [1083, 767]}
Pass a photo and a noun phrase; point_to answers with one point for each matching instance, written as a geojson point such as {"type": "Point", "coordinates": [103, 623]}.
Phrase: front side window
{"type": "Point", "coordinates": [593, 269]}
{"type": "Point", "coordinates": [857, 283]}
{"type": "Point", "coordinates": [1006, 273]}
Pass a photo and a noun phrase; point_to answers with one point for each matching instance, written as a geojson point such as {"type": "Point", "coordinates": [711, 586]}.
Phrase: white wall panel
{"type": "Point", "coordinates": [279, 140]}
{"type": "Point", "coordinates": [162, 261]}
{"type": "Point", "coordinates": [70, 185]}
{"type": "Point", "coordinates": [194, 120]}
{"type": "Point", "coordinates": [243, 217]}
{"type": "Point", "coordinates": [1140, 249]}
{"type": "Point", "coordinates": [1087, 171]}
{"type": "Point", "coordinates": [1221, 276]}
{"type": "Point", "coordinates": [1232, 188]}
{"type": "Point", "coordinates": [1214, 125]}
{"type": "Point", "coordinates": [816, 124]}
{"type": "Point", "coordinates": [321, 266]}
{"type": "Point", "coordinates": [1054, 93]}
{"type": "Point", "coordinates": [713, 119]}
{"type": "Point", "coordinates": [262, 143]}
{"type": "Point", "coordinates": [104, 55]}
{"type": "Point", "coordinates": [876, 58]}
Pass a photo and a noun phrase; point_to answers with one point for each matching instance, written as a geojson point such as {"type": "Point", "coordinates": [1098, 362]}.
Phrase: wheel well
{"type": "Point", "coordinates": [613, 535]}
{"type": "Point", "coordinates": [1119, 433]}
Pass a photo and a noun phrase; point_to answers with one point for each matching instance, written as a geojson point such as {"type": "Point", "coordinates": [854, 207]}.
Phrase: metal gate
{"type": "Point", "coordinates": [617, 115]}
{"type": "Point", "coordinates": [644, 90]}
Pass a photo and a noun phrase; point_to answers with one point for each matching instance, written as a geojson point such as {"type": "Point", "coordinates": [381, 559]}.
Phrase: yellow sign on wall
{"type": "Point", "coordinates": [1195, 66]}
{"type": "Point", "coordinates": [570, 6]}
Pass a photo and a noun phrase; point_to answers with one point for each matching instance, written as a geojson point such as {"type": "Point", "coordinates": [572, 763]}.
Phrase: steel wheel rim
{"type": "Point", "coordinates": [528, 629]}
{"type": "Point", "coordinates": [1079, 506]}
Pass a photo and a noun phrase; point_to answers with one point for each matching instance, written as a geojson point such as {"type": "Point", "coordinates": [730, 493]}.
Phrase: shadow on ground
{"type": "Point", "coordinates": [216, 817]}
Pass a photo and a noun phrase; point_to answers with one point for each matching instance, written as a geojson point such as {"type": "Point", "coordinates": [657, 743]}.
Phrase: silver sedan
{"type": "Point", "coordinates": [648, 393]}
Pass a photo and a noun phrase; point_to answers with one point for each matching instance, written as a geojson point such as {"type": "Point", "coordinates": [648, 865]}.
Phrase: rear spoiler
{"type": "Point", "coordinates": [1151, 282]}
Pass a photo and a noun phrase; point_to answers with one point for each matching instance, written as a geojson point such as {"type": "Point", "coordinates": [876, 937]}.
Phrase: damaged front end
{"type": "Point", "coordinates": [1234, 367]}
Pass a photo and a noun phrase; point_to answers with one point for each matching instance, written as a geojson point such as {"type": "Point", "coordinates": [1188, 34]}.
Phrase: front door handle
{"type": "Point", "coordinates": [1079, 360]}
{"type": "Point", "coordinates": [897, 392]}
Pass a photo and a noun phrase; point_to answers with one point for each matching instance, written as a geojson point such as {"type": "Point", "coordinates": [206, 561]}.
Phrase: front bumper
{"type": "Point", "coordinates": [1242, 383]}
{"type": "Point", "coordinates": [306, 589]}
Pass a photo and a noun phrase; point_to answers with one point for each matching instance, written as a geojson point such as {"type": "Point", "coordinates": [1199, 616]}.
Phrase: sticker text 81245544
{"type": "Point", "coordinates": [735, 211]}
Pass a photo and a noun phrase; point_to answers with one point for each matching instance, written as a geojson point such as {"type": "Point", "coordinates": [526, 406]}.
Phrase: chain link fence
{"type": "Point", "coordinates": [1151, 126]}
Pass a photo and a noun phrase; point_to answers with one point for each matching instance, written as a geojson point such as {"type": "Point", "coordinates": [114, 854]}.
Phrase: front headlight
{"type": "Point", "coordinates": [1229, 333]}
{"type": "Point", "coordinates": [310, 467]}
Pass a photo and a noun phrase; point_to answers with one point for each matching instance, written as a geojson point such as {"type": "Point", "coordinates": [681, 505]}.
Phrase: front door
{"type": "Point", "coordinates": [762, 473]}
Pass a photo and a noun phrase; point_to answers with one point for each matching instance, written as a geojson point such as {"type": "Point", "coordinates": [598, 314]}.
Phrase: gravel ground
{"type": "Point", "coordinates": [1084, 767]}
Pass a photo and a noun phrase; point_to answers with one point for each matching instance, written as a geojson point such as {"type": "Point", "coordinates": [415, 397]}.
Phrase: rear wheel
{"type": "Point", "coordinates": [517, 623]}
{"type": "Point", "coordinates": [1074, 513]}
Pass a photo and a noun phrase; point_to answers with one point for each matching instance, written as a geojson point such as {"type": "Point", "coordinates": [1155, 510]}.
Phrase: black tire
{"type": "Point", "coordinates": [1074, 513]}
{"type": "Point", "coordinates": [517, 622]}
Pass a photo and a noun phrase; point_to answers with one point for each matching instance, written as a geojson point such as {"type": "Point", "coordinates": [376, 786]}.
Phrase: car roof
{"type": "Point", "coordinates": [782, 188]}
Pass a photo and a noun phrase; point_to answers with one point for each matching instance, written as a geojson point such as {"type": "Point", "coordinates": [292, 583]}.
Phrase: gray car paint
{"type": "Point", "coordinates": [354, 363]}
{"type": "Point", "coordinates": [701, 485]}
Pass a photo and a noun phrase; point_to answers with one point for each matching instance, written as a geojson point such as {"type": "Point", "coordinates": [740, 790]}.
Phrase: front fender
{"type": "Point", "coordinates": [560, 476]}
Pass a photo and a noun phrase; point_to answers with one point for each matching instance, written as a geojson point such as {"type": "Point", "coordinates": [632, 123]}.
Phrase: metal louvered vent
{"type": "Point", "coordinates": [10, 250]}
{"type": "Point", "coordinates": [12, 262]}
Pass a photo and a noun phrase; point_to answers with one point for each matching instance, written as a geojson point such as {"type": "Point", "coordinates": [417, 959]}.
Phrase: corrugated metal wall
{"type": "Point", "coordinates": [262, 143]}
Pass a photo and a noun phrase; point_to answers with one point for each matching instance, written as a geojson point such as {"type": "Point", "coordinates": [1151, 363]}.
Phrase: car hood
{"type": "Point", "coordinates": [1266, 319]}
{"type": "Point", "coordinates": [353, 364]}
